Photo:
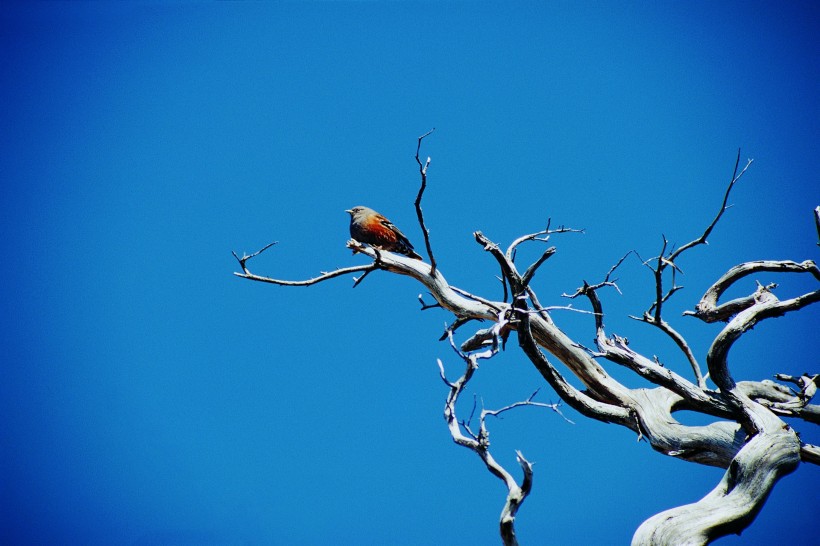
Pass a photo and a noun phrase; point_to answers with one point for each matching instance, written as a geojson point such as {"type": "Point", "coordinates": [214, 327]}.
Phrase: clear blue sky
{"type": "Point", "coordinates": [150, 397]}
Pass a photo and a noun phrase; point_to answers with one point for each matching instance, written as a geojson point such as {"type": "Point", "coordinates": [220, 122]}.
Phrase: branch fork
{"type": "Point", "coordinates": [749, 439]}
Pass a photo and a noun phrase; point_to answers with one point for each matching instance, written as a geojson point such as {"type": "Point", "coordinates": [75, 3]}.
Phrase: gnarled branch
{"type": "Point", "coordinates": [748, 438]}
{"type": "Point", "coordinates": [480, 444]}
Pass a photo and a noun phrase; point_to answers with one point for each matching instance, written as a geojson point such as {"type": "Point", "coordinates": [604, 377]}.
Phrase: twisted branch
{"type": "Point", "coordinates": [756, 455]}
{"type": "Point", "coordinates": [480, 443]}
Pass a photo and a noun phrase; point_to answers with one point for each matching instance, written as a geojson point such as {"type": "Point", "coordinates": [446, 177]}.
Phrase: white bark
{"type": "Point", "coordinates": [748, 437]}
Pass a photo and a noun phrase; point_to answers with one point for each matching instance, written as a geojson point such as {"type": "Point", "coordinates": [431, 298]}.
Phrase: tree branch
{"type": "Point", "coordinates": [616, 349]}
{"type": "Point", "coordinates": [246, 274]}
{"type": "Point", "coordinates": [766, 306]}
{"type": "Point", "coordinates": [753, 443]}
{"type": "Point", "coordinates": [708, 310]}
{"type": "Point", "coordinates": [480, 443]}
{"type": "Point", "coordinates": [817, 223]}
{"type": "Point", "coordinates": [723, 208]}
{"type": "Point", "coordinates": [530, 272]}
{"type": "Point", "coordinates": [733, 504]}
{"type": "Point", "coordinates": [419, 214]}
{"type": "Point", "coordinates": [510, 254]}
{"type": "Point", "coordinates": [653, 315]}
{"type": "Point", "coordinates": [579, 401]}
{"type": "Point", "coordinates": [680, 342]}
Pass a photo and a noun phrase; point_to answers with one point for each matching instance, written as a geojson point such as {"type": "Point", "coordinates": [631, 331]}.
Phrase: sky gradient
{"type": "Point", "coordinates": [150, 397]}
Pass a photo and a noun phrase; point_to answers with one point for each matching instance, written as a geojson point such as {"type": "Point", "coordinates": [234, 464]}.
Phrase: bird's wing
{"type": "Point", "coordinates": [389, 225]}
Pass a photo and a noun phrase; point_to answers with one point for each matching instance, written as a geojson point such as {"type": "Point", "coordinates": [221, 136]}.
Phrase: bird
{"type": "Point", "coordinates": [370, 227]}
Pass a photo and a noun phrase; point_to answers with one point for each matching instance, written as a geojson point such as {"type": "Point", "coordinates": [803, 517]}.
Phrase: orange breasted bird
{"type": "Point", "coordinates": [370, 227]}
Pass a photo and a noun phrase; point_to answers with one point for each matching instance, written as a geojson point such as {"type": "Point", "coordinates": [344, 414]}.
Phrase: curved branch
{"type": "Point", "coordinates": [817, 223]}
{"type": "Point", "coordinates": [314, 280]}
{"type": "Point", "coordinates": [579, 401]}
{"type": "Point", "coordinates": [514, 500]}
{"type": "Point", "coordinates": [246, 274]}
{"type": "Point", "coordinates": [449, 297]}
{"type": "Point", "coordinates": [708, 310]}
{"type": "Point", "coordinates": [530, 272]}
{"type": "Point", "coordinates": [419, 214]}
{"type": "Point", "coordinates": [508, 269]}
{"type": "Point", "coordinates": [766, 305]}
{"type": "Point", "coordinates": [723, 208]}
{"type": "Point", "coordinates": [733, 504]}
{"type": "Point", "coordinates": [682, 345]}
{"type": "Point", "coordinates": [653, 315]}
{"type": "Point", "coordinates": [480, 444]}
{"type": "Point", "coordinates": [780, 400]}
{"type": "Point", "coordinates": [510, 254]}
{"type": "Point", "coordinates": [715, 444]}
{"type": "Point", "coordinates": [617, 350]}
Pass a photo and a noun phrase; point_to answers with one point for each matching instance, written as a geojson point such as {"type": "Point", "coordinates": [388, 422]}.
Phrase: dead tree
{"type": "Point", "coordinates": [748, 437]}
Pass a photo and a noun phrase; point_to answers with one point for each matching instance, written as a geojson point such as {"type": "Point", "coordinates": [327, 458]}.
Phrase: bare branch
{"type": "Point", "coordinates": [323, 277]}
{"type": "Point", "coordinates": [504, 287]}
{"type": "Point", "coordinates": [528, 402]}
{"type": "Point", "coordinates": [616, 349]}
{"type": "Point", "coordinates": [766, 306]}
{"type": "Point", "coordinates": [458, 323]}
{"type": "Point", "coordinates": [426, 306]}
{"type": "Point", "coordinates": [308, 282]}
{"type": "Point", "coordinates": [781, 400]}
{"type": "Point", "coordinates": [817, 223]}
{"type": "Point", "coordinates": [579, 401]}
{"type": "Point", "coordinates": [480, 444]}
{"type": "Point", "coordinates": [514, 501]}
{"type": "Point", "coordinates": [679, 341]}
{"type": "Point", "coordinates": [510, 254]}
{"type": "Point", "coordinates": [810, 453]}
{"type": "Point", "coordinates": [245, 257]}
{"type": "Point", "coordinates": [659, 281]}
{"type": "Point", "coordinates": [443, 374]}
{"type": "Point", "coordinates": [653, 315]}
{"type": "Point", "coordinates": [723, 208]}
{"type": "Point", "coordinates": [807, 383]}
{"type": "Point", "coordinates": [419, 214]}
{"type": "Point", "coordinates": [707, 309]}
{"type": "Point", "coordinates": [528, 274]}
{"type": "Point", "coordinates": [493, 305]}
{"type": "Point", "coordinates": [508, 269]}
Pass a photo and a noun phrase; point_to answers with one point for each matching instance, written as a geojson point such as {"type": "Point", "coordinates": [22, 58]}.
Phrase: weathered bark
{"type": "Point", "coordinates": [733, 504]}
{"type": "Point", "coordinates": [748, 437]}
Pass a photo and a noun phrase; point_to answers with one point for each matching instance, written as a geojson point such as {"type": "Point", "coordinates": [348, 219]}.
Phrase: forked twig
{"type": "Point", "coordinates": [246, 274]}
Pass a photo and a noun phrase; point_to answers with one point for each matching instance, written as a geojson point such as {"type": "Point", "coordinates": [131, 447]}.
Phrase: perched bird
{"type": "Point", "coordinates": [370, 227]}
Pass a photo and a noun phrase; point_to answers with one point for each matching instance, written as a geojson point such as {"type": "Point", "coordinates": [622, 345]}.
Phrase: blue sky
{"type": "Point", "coordinates": [150, 397]}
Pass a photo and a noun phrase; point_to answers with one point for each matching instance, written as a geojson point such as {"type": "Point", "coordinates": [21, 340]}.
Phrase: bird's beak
{"type": "Point", "coordinates": [349, 211]}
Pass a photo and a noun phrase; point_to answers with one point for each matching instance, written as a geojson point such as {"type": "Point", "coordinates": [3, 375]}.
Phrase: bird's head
{"type": "Point", "coordinates": [358, 211]}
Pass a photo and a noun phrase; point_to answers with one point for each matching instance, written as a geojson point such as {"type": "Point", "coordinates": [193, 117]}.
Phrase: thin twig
{"type": "Point", "coordinates": [419, 214]}
{"type": "Point", "coordinates": [653, 315]}
{"type": "Point", "coordinates": [723, 208]}
{"type": "Point", "coordinates": [536, 237]}
{"type": "Point", "coordinates": [246, 274]}
{"type": "Point", "coordinates": [246, 257]}
{"type": "Point", "coordinates": [425, 306]}
{"type": "Point", "coordinates": [679, 341]}
{"type": "Point", "coordinates": [527, 402]}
